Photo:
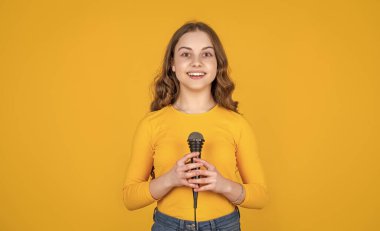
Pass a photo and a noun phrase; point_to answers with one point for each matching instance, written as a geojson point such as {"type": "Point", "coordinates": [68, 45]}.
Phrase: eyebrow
{"type": "Point", "coordinates": [204, 48]}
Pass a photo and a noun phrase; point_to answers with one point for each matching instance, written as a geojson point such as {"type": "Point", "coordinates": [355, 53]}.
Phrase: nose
{"type": "Point", "coordinates": [196, 62]}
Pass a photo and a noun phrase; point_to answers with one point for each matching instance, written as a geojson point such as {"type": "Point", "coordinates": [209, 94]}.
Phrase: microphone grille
{"type": "Point", "coordinates": [195, 136]}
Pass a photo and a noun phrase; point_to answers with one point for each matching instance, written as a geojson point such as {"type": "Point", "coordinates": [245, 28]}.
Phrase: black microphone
{"type": "Point", "coordinates": [195, 142]}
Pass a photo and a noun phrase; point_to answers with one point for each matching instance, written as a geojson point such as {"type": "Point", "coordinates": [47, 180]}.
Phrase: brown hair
{"type": "Point", "coordinates": [166, 85]}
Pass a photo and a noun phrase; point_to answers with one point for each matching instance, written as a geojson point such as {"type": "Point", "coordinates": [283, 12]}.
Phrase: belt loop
{"type": "Point", "coordinates": [213, 226]}
{"type": "Point", "coordinates": [154, 213]}
{"type": "Point", "coordinates": [237, 208]}
{"type": "Point", "coordinates": [181, 224]}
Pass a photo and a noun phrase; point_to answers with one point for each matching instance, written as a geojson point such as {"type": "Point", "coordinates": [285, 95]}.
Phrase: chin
{"type": "Point", "coordinates": [196, 87]}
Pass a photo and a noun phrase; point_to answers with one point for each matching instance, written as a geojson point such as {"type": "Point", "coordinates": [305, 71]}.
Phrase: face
{"type": "Point", "coordinates": [194, 61]}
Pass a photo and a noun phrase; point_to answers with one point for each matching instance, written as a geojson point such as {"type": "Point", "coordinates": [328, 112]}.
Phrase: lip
{"type": "Point", "coordinates": [196, 77]}
{"type": "Point", "coordinates": [196, 71]}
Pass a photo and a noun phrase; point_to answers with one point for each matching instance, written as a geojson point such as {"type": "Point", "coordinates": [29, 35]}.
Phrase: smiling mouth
{"type": "Point", "coordinates": [196, 75]}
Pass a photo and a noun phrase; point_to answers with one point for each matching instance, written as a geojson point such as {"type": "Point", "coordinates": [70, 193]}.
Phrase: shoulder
{"type": "Point", "coordinates": [233, 117]}
{"type": "Point", "coordinates": [154, 117]}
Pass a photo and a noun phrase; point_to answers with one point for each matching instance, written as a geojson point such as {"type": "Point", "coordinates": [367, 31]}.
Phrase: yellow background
{"type": "Point", "coordinates": [75, 77]}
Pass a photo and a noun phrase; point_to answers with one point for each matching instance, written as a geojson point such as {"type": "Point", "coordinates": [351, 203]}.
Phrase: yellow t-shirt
{"type": "Point", "coordinates": [230, 145]}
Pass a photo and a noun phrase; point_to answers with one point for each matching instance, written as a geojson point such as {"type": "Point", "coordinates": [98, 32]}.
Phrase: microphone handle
{"type": "Point", "coordinates": [192, 161]}
{"type": "Point", "coordinates": [195, 194]}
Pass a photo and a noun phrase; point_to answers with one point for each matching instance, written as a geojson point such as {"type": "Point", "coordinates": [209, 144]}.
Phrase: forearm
{"type": "Point", "coordinates": [160, 186]}
{"type": "Point", "coordinates": [234, 192]}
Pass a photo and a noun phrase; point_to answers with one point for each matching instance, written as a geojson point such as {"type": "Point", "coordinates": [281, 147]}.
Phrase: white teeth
{"type": "Point", "coordinates": [196, 73]}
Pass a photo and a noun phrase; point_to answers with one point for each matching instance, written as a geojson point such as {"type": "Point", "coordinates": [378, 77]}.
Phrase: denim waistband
{"type": "Point", "coordinates": [179, 224]}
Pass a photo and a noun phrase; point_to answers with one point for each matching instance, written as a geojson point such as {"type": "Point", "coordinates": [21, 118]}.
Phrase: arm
{"type": "Point", "coordinates": [175, 177]}
{"type": "Point", "coordinates": [136, 193]}
{"type": "Point", "coordinates": [256, 193]}
{"type": "Point", "coordinates": [253, 192]}
{"type": "Point", "coordinates": [215, 182]}
{"type": "Point", "coordinates": [234, 192]}
{"type": "Point", "coordinates": [160, 187]}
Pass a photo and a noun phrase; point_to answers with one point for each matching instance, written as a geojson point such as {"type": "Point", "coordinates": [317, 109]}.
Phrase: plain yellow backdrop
{"type": "Point", "coordinates": [75, 77]}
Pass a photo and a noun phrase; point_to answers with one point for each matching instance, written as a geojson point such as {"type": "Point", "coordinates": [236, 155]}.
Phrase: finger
{"type": "Point", "coordinates": [190, 174]}
{"type": "Point", "coordinates": [203, 173]}
{"type": "Point", "coordinates": [205, 163]}
{"type": "Point", "coordinates": [195, 186]}
{"type": "Point", "coordinates": [200, 181]}
{"type": "Point", "coordinates": [193, 173]}
{"type": "Point", "coordinates": [191, 185]}
{"type": "Point", "coordinates": [203, 188]}
{"type": "Point", "coordinates": [187, 156]}
{"type": "Point", "coordinates": [188, 167]}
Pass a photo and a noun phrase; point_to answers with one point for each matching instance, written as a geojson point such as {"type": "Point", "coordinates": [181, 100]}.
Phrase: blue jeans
{"type": "Point", "coordinates": [163, 222]}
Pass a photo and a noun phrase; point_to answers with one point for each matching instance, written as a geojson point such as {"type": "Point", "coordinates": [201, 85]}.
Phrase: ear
{"type": "Point", "coordinates": [172, 64]}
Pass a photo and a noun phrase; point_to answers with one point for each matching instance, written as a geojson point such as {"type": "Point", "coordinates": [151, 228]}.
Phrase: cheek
{"type": "Point", "coordinates": [213, 63]}
{"type": "Point", "coordinates": [213, 66]}
{"type": "Point", "coordinates": [181, 65]}
{"type": "Point", "coordinates": [181, 72]}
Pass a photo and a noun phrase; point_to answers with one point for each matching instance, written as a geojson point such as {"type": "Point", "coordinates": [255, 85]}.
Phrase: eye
{"type": "Point", "coordinates": [208, 54]}
{"type": "Point", "coordinates": [185, 54]}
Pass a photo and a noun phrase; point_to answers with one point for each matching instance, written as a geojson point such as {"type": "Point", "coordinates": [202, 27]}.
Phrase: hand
{"type": "Point", "coordinates": [179, 174]}
{"type": "Point", "coordinates": [213, 181]}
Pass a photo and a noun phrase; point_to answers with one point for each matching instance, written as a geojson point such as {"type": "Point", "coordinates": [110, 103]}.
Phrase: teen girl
{"type": "Point", "coordinates": [193, 93]}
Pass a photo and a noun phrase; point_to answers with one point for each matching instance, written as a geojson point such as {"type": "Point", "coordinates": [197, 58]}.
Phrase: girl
{"type": "Point", "coordinates": [193, 93]}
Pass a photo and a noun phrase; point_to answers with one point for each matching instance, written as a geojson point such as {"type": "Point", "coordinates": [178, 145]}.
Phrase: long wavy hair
{"type": "Point", "coordinates": [166, 85]}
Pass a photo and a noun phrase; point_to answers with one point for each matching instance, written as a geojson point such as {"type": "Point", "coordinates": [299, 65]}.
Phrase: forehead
{"type": "Point", "coordinates": [194, 39]}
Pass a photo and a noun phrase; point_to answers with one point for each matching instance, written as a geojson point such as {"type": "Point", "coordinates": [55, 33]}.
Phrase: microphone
{"type": "Point", "coordinates": [195, 142]}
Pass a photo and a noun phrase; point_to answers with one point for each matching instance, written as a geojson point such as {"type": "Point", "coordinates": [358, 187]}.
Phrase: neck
{"type": "Point", "coordinates": [191, 102]}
